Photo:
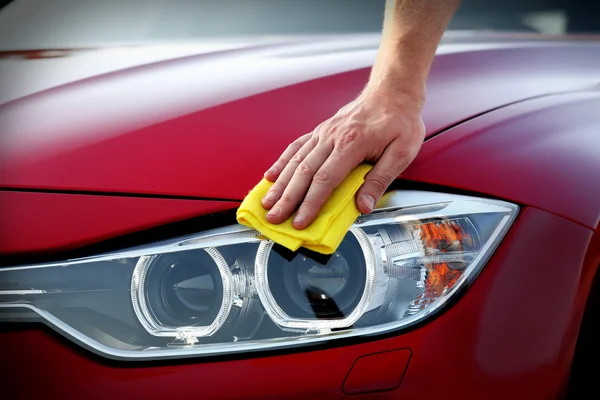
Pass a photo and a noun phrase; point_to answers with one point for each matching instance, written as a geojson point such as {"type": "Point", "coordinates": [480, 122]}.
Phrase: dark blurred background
{"type": "Point", "coordinates": [70, 23]}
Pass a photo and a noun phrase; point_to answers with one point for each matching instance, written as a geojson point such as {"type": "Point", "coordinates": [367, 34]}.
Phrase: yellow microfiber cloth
{"type": "Point", "coordinates": [325, 233]}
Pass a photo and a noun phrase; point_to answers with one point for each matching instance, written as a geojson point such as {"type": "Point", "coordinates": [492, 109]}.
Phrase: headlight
{"type": "Point", "coordinates": [228, 290]}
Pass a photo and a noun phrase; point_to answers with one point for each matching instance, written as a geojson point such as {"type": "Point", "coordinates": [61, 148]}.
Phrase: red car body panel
{"type": "Point", "coordinates": [544, 152]}
{"type": "Point", "coordinates": [160, 128]}
{"type": "Point", "coordinates": [142, 146]}
{"type": "Point", "coordinates": [52, 222]}
{"type": "Point", "coordinates": [499, 339]}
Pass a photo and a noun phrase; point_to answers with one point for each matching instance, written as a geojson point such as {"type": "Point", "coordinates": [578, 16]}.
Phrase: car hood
{"type": "Point", "coordinates": [204, 120]}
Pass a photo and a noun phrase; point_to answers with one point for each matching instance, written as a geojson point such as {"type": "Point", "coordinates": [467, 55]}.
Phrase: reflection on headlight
{"type": "Point", "coordinates": [157, 291]}
{"type": "Point", "coordinates": [311, 309]}
{"type": "Point", "coordinates": [228, 290]}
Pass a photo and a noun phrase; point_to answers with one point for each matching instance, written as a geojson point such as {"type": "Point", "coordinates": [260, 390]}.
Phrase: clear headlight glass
{"type": "Point", "coordinates": [229, 290]}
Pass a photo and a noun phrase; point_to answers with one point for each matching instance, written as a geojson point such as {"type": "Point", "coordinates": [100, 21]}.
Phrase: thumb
{"type": "Point", "coordinates": [386, 170]}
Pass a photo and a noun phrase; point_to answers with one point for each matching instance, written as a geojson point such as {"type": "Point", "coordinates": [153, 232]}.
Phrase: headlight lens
{"type": "Point", "coordinates": [229, 290]}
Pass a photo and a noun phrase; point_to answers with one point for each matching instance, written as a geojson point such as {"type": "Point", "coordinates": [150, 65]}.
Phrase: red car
{"type": "Point", "coordinates": [123, 271]}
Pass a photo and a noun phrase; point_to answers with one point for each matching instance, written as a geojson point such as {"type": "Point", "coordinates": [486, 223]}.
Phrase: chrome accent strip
{"type": "Point", "coordinates": [21, 292]}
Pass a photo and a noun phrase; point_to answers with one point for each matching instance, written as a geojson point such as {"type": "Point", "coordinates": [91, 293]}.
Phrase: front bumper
{"type": "Point", "coordinates": [512, 333]}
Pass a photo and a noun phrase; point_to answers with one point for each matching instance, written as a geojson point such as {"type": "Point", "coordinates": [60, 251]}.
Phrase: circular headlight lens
{"type": "Point", "coordinates": [183, 295]}
{"type": "Point", "coordinates": [184, 289]}
{"type": "Point", "coordinates": [306, 289]}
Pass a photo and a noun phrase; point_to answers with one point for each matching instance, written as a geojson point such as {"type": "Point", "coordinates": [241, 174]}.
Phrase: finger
{"type": "Point", "coordinates": [275, 192]}
{"type": "Point", "coordinates": [333, 171]}
{"type": "Point", "coordinates": [393, 161]}
{"type": "Point", "coordinates": [273, 173]}
{"type": "Point", "coordinates": [301, 180]}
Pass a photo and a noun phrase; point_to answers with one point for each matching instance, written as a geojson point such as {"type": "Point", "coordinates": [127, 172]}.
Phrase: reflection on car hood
{"type": "Point", "coordinates": [205, 119]}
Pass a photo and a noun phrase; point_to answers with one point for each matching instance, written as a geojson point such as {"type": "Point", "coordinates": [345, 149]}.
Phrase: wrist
{"type": "Point", "coordinates": [399, 76]}
{"type": "Point", "coordinates": [396, 91]}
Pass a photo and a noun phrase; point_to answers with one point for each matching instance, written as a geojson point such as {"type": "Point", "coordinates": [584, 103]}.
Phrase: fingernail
{"type": "Point", "coordinates": [298, 219]}
{"type": "Point", "coordinates": [270, 197]}
{"type": "Point", "coordinates": [368, 201]}
{"type": "Point", "coordinates": [274, 212]}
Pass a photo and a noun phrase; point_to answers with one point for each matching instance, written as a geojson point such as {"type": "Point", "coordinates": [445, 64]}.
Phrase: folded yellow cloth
{"type": "Point", "coordinates": [325, 233]}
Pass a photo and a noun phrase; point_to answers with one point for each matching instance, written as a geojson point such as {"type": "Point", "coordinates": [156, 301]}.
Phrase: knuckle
{"type": "Point", "coordinates": [410, 154]}
{"type": "Point", "coordinates": [298, 143]}
{"type": "Point", "coordinates": [415, 148]}
{"type": "Point", "coordinates": [285, 198]}
{"type": "Point", "coordinates": [404, 155]}
{"type": "Point", "coordinates": [322, 177]}
{"type": "Point", "coordinates": [293, 147]}
{"type": "Point", "coordinates": [277, 189]}
{"type": "Point", "coordinates": [400, 154]}
{"type": "Point", "coordinates": [312, 142]}
{"type": "Point", "coordinates": [297, 158]}
{"type": "Point", "coordinates": [321, 128]}
{"type": "Point", "coordinates": [304, 168]}
{"type": "Point", "coordinates": [415, 132]}
{"type": "Point", "coordinates": [310, 206]}
{"type": "Point", "coordinates": [378, 182]}
{"type": "Point", "coordinates": [330, 131]}
{"type": "Point", "coordinates": [347, 139]}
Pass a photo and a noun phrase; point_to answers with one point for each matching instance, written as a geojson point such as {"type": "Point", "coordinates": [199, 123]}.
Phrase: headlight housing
{"type": "Point", "coordinates": [229, 290]}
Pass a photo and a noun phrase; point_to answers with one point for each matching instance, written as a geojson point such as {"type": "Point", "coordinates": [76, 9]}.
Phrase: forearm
{"type": "Point", "coordinates": [411, 33]}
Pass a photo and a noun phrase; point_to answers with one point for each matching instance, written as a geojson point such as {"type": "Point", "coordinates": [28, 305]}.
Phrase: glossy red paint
{"type": "Point", "coordinates": [50, 222]}
{"type": "Point", "coordinates": [544, 152]}
{"type": "Point", "coordinates": [159, 128]}
{"type": "Point", "coordinates": [167, 127]}
{"type": "Point", "coordinates": [390, 366]}
{"type": "Point", "coordinates": [510, 335]}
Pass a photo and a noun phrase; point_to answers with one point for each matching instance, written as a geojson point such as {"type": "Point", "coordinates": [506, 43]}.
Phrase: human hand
{"type": "Point", "coordinates": [383, 129]}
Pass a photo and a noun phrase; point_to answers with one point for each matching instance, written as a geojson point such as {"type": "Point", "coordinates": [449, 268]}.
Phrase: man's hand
{"type": "Point", "coordinates": [382, 126]}
{"type": "Point", "coordinates": [383, 129]}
